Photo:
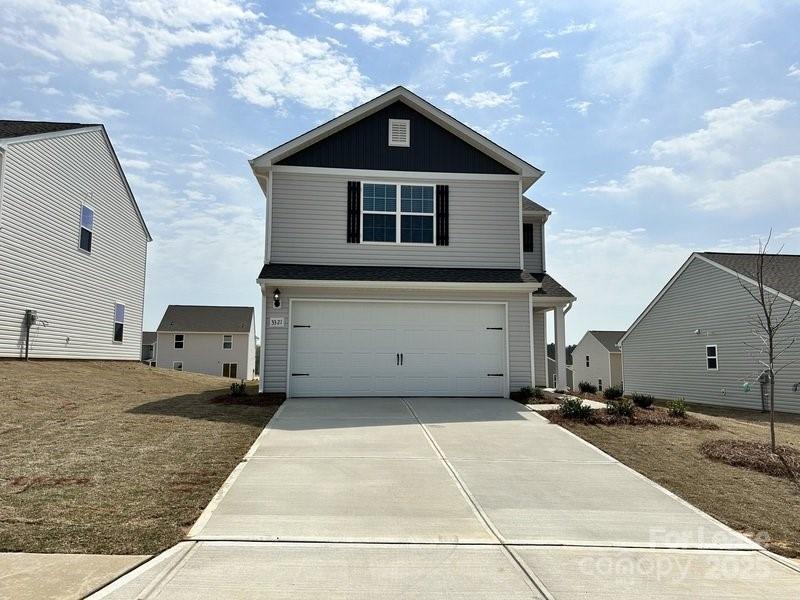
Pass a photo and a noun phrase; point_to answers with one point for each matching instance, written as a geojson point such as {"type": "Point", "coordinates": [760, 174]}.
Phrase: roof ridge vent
{"type": "Point", "coordinates": [400, 132]}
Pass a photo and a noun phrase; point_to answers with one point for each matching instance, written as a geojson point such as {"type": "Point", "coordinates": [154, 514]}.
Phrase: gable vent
{"type": "Point", "coordinates": [399, 132]}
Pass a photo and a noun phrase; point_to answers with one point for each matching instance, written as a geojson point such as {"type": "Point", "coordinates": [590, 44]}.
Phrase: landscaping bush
{"type": "Point", "coordinates": [574, 408]}
{"type": "Point", "coordinates": [238, 389]}
{"type": "Point", "coordinates": [612, 393]}
{"type": "Point", "coordinates": [677, 408]}
{"type": "Point", "coordinates": [620, 407]}
{"type": "Point", "coordinates": [587, 388]}
{"type": "Point", "coordinates": [642, 400]}
{"type": "Point", "coordinates": [538, 393]}
{"type": "Point", "coordinates": [526, 392]}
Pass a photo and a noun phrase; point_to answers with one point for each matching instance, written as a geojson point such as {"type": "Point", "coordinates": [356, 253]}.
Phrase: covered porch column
{"type": "Point", "coordinates": [561, 345]}
{"type": "Point", "coordinates": [559, 308]}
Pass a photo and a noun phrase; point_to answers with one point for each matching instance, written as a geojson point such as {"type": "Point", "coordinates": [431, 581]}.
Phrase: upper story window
{"type": "Point", "coordinates": [587, 361]}
{"type": "Point", "coordinates": [179, 341]}
{"type": "Point", "coordinates": [119, 322]}
{"type": "Point", "coordinates": [383, 217]}
{"type": "Point", "coordinates": [87, 227]}
{"type": "Point", "coordinates": [712, 360]}
{"type": "Point", "coordinates": [227, 342]}
{"type": "Point", "coordinates": [527, 237]}
{"type": "Point", "coordinates": [400, 132]}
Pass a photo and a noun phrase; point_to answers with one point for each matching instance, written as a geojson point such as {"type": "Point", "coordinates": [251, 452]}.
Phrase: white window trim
{"type": "Point", "coordinates": [81, 227]}
{"type": "Point", "coordinates": [229, 370]}
{"type": "Point", "coordinates": [177, 362]}
{"type": "Point", "coordinates": [175, 341]}
{"type": "Point", "coordinates": [398, 214]}
{"type": "Point", "coordinates": [114, 331]}
{"type": "Point", "coordinates": [407, 123]}
{"type": "Point", "coordinates": [227, 335]}
{"type": "Point", "coordinates": [715, 357]}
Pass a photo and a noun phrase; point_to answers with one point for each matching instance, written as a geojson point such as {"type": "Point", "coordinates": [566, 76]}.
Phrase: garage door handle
{"type": "Point", "coordinates": [299, 374]}
{"type": "Point", "coordinates": [494, 374]}
{"type": "Point", "coordinates": [397, 357]}
{"type": "Point", "coordinates": [495, 328]}
{"type": "Point", "coordinates": [401, 359]}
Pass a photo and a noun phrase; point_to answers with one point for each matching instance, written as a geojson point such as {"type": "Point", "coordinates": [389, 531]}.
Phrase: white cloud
{"type": "Point", "coordinates": [794, 71]}
{"type": "Point", "coordinates": [145, 80]}
{"type": "Point", "coordinates": [573, 28]}
{"type": "Point", "coordinates": [640, 179]}
{"type": "Point", "coordinates": [378, 36]}
{"type": "Point", "coordinates": [37, 78]}
{"type": "Point", "coordinates": [94, 112]}
{"type": "Point", "coordinates": [503, 69]}
{"type": "Point", "coordinates": [582, 106]}
{"type": "Point", "coordinates": [200, 71]}
{"type": "Point", "coordinates": [546, 53]}
{"type": "Point", "coordinates": [486, 99]}
{"type": "Point", "coordinates": [725, 126]}
{"type": "Point", "coordinates": [277, 65]}
{"type": "Point", "coordinates": [135, 163]}
{"type": "Point", "coordinates": [390, 11]}
{"type": "Point", "coordinates": [770, 186]}
{"type": "Point", "coordinates": [15, 110]}
{"type": "Point", "coordinates": [480, 57]}
{"type": "Point", "coordinates": [107, 75]}
{"type": "Point", "coordinates": [186, 13]}
{"type": "Point", "coordinates": [748, 45]}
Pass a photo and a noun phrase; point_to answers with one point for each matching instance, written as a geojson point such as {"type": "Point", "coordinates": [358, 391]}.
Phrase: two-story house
{"type": "Point", "coordinates": [402, 258]}
{"type": "Point", "coordinates": [73, 245]}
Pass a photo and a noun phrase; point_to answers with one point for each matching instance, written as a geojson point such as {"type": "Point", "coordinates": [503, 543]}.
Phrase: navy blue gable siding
{"type": "Point", "coordinates": [365, 145]}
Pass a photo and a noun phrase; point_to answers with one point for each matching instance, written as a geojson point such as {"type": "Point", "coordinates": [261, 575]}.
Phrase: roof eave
{"type": "Point", "coordinates": [419, 285]}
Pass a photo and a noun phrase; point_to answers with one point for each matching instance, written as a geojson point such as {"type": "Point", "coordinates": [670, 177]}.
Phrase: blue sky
{"type": "Point", "coordinates": [663, 127]}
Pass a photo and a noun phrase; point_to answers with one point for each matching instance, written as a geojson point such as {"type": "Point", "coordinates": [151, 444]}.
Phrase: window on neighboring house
{"type": "Point", "coordinates": [179, 341]}
{"type": "Point", "coordinates": [587, 361]}
{"type": "Point", "coordinates": [712, 361]}
{"type": "Point", "coordinates": [177, 365]}
{"type": "Point", "coordinates": [383, 216]}
{"type": "Point", "coordinates": [87, 227]}
{"type": "Point", "coordinates": [600, 385]}
{"type": "Point", "coordinates": [119, 322]}
{"type": "Point", "coordinates": [229, 370]}
{"type": "Point", "coordinates": [527, 237]}
{"type": "Point", "coordinates": [227, 342]}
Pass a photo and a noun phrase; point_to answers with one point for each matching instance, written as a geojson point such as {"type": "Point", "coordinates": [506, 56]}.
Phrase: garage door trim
{"type": "Point", "coordinates": [506, 372]}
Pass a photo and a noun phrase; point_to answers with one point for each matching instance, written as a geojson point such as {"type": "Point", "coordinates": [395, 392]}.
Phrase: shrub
{"type": "Point", "coordinates": [677, 408]}
{"type": "Point", "coordinates": [587, 388]}
{"type": "Point", "coordinates": [612, 393]}
{"type": "Point", "coordinates": [526, 392]}
{"type": "Point", "coordinates": [642, 400]}
{"type": "Point", "coordinates": [574, 408]}
{"type": "Point", "coordinates": [619, 407]}
{"type": "Point", "coordinates": [538, 393]}
{"type": "Point", "coordinates": [238, 388]}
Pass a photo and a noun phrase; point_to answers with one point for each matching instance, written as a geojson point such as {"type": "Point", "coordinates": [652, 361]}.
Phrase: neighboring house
{"type": "Point", "coordinates": [552, 375]}
{"type": "Point", "coordinates": [401, 258]}
{"type": "Point", "coordinates": [215, 340]}
{"type": "Point", "coordinates": [598, 360]}
{"type": "Point", "coordinates": [149, 347]}
{"type": "Point", "coordinates": [697, 340]}
{"type": "Point", "coordinates": [73, 245]}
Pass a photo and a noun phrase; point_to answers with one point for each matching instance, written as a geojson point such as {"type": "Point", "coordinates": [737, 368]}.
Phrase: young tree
{"type": "Point", "coordinates": [769, 325]}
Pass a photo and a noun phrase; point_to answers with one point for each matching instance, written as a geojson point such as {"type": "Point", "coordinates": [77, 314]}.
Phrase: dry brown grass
{"type": "Point", "coordinates": [105, 457]}
{"type": "Point", "coordinates": [751, 502]}
{"type": "Point", "coordinates": [755, 455]}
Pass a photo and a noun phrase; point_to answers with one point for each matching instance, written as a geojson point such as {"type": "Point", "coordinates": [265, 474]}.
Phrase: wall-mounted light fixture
{"type": "Point", "coordinates": [276, 298]}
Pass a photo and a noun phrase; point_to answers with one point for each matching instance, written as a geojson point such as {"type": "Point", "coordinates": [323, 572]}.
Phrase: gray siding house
{"type": "Point", "coordinates": [73, 245]}
{"type": "Point", "coordinates": [402, 258]}
{"type": "Point", "coordinates": [215, 340]}
{"type": "Point", "coordinates": [149, 347]}
{"type": "Point", "coordinates": [598, 360]}
{"type": "Point", "coordinates": [696, 338]}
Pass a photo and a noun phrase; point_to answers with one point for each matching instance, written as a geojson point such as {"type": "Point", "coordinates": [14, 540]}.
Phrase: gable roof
{"type": "Point", "coordinates": [781, 275]}
{"type": "Point", "coordinates": [207, 319]}
{"type": "Point", "coordinates": [528, 172]}
{"type": "Point", "coordinates": [529, 206]}
{"type": "Point", "coordinates": [13, 129]}
{"type": "Point", "coordinates": [148, 338]}
{"type": "Point", "coordinates": [609, 339]}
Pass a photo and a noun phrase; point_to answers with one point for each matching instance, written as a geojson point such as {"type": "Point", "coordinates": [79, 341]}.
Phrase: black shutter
{"type": "Point", "coordinates": [353, 212]}
{"type": "Point", "coordinates": [442, 215]}
{"type": "Point", "coordinates": [527, 237]}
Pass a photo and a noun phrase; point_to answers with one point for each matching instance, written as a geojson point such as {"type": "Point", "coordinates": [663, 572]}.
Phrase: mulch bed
{"type": "Point", "coordinates": [755, 456]}
{"type": "Point", "coordinates": [647, 417]}
{"type": "Point", "coordinates": [250, 399]}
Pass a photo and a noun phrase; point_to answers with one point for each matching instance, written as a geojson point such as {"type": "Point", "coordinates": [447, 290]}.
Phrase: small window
{"type": "Point", "coordinates": [400, 132]}
{"type": "Point", "coordinates": [712, 361]}
{"type": "Point", "coordinates": [587, 361]}
{"type": "Point", "coordinates": [227, 342]}
{"type": "Point", "coordinates": [527, 237]}
{"type": "Point", "coordinates": [177, 366]}
{"type": "Point", "coordinates": [229, 370]}
{"type": "Point", "coordinates": [179, 341]}
{"type": "Point", "coordinates": [87, 227]}
{"type": "Point", "coordinates": [119, 322]}
{"type": "Point", "coordinates": [600, 385]}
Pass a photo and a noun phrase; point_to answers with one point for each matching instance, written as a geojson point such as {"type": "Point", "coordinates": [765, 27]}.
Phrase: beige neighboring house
{"type": "Point", "coordinates": [215, 340]}
{"type": "Point", "coordinates": [597, 359]}
{"type": "Point", "coordinates": [552, 375]}
{"type": "Point", "coordinates": [73, 245]}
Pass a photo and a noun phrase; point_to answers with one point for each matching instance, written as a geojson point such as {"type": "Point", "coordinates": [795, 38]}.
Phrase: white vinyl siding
{"type": "Point", "coordinates": [45, 183]}
{"type": "Point", "coordinates": [204, 352]}
{"type": "Point", "coordinates": [309, 214]}
{"type": "Point", "coordinates": [663, 355]}
{"type": "Point", "coordinates": [593, 363]}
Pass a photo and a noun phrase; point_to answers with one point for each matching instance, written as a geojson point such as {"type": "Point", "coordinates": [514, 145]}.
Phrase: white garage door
{"type": "Point", "coordinates": [397, 349]}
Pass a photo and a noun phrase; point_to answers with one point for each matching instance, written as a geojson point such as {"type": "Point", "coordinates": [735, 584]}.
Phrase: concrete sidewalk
{"type": "Point", "coordinates": [441, 498]}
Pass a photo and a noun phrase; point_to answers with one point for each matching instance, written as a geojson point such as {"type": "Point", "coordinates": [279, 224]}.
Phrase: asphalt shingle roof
{"type": "Point", "coordinates": [609, 339]}
{"type": "Point", "coordinates": [781, 271]}
{"type": "Point", "coordinates": [216, 319]}
{"type": "Point", "coordinates": [528, 204]}
{"type": "Point", "coordinates": [148, 338]}
{"type": "Point", "coordinates": [550, 287]}
{"type": "Point", "coordinates": [12, 129]}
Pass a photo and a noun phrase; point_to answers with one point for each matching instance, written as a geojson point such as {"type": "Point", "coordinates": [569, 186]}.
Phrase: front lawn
{"type": "Point", "coordinates": [755, 503]}
{"type": "Point", "coordinates": [112, 458]}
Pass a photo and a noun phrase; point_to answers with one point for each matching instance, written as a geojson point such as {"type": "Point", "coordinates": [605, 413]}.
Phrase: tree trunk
{"type": "Point", "coordinates": [772, 410]}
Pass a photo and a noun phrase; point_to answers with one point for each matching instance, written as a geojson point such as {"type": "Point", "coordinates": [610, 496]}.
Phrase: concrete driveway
{"type": "Point", "coordinates": [447, 498]}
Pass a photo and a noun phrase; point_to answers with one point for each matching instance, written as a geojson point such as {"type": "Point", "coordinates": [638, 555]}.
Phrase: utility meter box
{"type": "Point", "coordinates": [31, 316]}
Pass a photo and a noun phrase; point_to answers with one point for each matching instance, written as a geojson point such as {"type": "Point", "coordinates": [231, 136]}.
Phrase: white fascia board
{"type": "Point", "coordinates": [416, 285]}
{"type": "Point", "coordinates": [528, 172]}
{"type": "Point", "coordinates": [186, 331]}
{"type": "Point", "coordinates": [552, 301]}
{"type": "Point", "coordinates": [4, 142]}
{"type": "Point", "coordinates": [422, 175]}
